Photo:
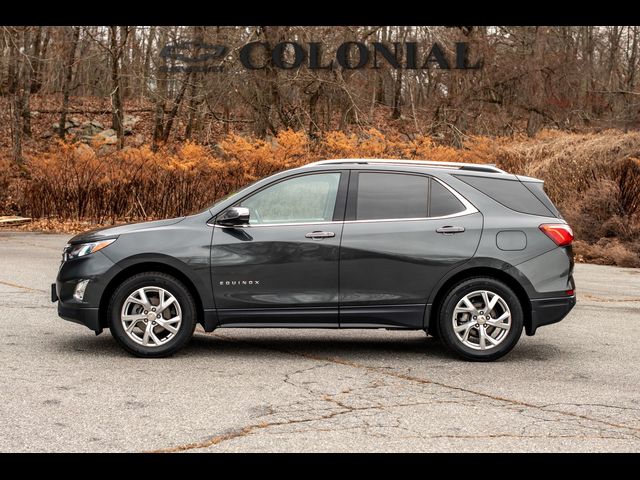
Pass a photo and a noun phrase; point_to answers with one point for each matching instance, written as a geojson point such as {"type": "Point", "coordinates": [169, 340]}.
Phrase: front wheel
{"type": "Point", "coordinates": [480, 319]}
{"type": "Point", "coordinates": [152, 314]}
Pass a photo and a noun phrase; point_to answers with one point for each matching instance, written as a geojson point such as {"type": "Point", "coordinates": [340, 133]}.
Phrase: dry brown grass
{"type": "Point", "coordinates": [608, 251]}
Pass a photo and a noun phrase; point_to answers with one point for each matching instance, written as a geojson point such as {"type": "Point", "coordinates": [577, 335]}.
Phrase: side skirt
{"type": "Point", "coordinates": [409, 316]}
{"type": "Point", "coordinates": [396, 317]}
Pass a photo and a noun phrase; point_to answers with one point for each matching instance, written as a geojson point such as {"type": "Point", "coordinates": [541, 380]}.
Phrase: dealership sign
{"type": "Point", "coordinates": [205, 57]}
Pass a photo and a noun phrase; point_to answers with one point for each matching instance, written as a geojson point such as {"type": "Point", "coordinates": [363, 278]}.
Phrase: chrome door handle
{"type": "Point", "coordinates": [319, 234]}
{"type": "Point", "coordinates": [448, 230]}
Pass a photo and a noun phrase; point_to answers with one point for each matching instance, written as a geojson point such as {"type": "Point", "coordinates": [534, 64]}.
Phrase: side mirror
{"type": "Point", "coordinates": [234, 216]}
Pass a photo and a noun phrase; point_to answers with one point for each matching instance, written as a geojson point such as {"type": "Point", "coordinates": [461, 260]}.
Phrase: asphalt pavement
{"type": "Point", "coordinates": [574, 386]}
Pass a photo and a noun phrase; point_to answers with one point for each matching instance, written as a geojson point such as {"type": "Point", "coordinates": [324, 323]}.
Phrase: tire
{"type": "Point", "coordinates": [504, 325]}
{"type": "Point", "coordinates": [169, 328]}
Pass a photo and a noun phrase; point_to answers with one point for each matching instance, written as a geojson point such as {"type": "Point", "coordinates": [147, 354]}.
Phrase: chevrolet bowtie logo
{"type": "Point", "coordinates": [239, 282]}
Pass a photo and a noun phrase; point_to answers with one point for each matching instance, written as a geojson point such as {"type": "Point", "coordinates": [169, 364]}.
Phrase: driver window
{"type": "Point", "coordinates": [304, 199]}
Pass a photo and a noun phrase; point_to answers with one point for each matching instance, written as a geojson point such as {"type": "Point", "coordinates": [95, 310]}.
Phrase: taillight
{"type": "Point", "coordinates": [560, 233]}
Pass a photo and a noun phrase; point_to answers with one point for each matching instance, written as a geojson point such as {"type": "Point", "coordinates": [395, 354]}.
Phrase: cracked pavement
{"type": "Point", "coordinates": [572, 387]}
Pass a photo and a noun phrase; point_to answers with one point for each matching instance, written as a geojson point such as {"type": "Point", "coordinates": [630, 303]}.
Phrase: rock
{"type": "Point", "coordinates": [88, 128]}
{"type": "Point", "coordinates": [97, 124]}
{"type": "Point", "coordinates": [47, 135]}
{"type": "Point", "coordinates": [138, 140]}
{"type": "Point", "coordinates": [74, 121]}
{"type": "Point", "coordinates": [128, 131]}
{"type": "Point", "coordinates": [67, 126]}
{"type": "Point", "coordinates": [109, 132]}
{"type": "Point", "coordinates": [130, 121]}
{"type": "Point", "coordinates": [108, 137]}
{"type": "Point", "coordinates": [109, 140]}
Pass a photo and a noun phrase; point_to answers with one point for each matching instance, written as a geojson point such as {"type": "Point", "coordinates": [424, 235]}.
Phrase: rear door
{"type": "Point", "coordinates": [402, 233]}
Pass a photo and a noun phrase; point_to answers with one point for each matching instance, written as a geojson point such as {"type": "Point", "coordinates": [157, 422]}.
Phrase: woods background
{"type": "Point", "coordinates": [98, 126]}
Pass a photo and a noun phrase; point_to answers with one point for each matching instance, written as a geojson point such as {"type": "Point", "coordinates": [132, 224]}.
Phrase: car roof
{"type": "Point", "coordinates": [473, 167]}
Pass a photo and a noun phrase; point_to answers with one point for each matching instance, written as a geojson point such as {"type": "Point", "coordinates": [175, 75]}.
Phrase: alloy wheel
{"type": "Point", "coordinates": [151, 316]}
{"type": "Point", "coordinates": [481, 320]}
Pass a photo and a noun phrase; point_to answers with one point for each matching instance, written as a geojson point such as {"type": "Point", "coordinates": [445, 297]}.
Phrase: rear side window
{"type": "Point", "coordinates": [510, 193]}
{"type": "Point", "coordinates": [391, 195]}
{"type": "Point", "coordinates": [396, 195]}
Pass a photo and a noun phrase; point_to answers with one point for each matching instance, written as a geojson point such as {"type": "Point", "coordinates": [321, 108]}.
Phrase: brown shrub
{"type": "Point", "coordinates": [608, 251]}
{"type": "Point", "coordinates": [596, 212]}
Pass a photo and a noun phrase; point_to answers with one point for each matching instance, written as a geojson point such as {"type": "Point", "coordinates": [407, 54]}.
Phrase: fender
{"type": "Point", "coordinates": [484, 262]}
{"type": "Point", "coordinates": [202, 287]}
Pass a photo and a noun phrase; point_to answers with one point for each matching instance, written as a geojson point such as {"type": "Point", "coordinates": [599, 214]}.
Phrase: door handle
{"type": "Point", "coordinates": [449, 230]}
{"type": "Point", "coordinates": [319, 234]}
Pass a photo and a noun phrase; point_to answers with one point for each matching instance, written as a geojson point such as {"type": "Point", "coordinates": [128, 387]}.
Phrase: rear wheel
{"type": "Point", "coordinates": [480, 319]}
{"type": "Point", "coordinates": [152, 314]}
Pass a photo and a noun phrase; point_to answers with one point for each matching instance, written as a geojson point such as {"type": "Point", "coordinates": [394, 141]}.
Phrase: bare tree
{"type": "Point", "coordinates": [71, 58]}
{"type": "Point", "coordinates": [116, 49]}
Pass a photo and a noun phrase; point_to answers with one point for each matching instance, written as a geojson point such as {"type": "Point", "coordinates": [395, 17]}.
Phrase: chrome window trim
{"type": "Point", "coordinates": [414, 219]}
{"type": "Point", "coordinates": [291, 224]}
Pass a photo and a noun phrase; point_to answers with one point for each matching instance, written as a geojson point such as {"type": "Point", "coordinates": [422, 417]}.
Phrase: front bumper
{"type": "Point", "coordinates": [96, 268]}
{"type": "Point", "coordinates": [87, 316]}
{"type": "Point", "coordinates": [545, 311]}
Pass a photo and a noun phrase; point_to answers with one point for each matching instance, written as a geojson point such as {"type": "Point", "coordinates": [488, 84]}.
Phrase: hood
{"type": "Point", "coordinates": [109, 232]}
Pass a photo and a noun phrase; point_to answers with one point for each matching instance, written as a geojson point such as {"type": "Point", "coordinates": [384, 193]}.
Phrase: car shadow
{"type": "Point", "coordinates": [224, 344]}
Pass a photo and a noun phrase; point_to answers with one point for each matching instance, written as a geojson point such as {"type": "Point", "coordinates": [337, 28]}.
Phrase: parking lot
{"type": "Point", "coordinates": [572, 387]}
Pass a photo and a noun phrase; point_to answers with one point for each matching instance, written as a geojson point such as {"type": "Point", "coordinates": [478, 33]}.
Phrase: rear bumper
{"type": "Point", "coordinates": [546, 311]}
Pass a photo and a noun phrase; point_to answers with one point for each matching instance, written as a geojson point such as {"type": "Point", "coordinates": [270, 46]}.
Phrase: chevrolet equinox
{"type": "Point", "coordinates": [468, 253]}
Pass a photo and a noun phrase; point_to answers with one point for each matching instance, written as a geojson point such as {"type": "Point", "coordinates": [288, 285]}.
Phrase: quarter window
{"type": "Point", "coordinates": [304, 199]}
{"type": "Point", "coordinates": [513, 194]}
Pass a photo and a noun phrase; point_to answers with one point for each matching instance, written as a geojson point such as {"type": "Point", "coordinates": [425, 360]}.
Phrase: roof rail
{"type": "Point", "coordinates": [482, 167]}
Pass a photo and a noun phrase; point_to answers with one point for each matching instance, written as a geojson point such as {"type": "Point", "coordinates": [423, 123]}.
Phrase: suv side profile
{"type": "Point", "coordinates": [468, 253]}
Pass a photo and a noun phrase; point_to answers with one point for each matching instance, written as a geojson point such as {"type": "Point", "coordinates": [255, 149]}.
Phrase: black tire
{"type": "Point", "coordinates": [445, 319]}
{"type": "Point", "coordinates": [175, 288]}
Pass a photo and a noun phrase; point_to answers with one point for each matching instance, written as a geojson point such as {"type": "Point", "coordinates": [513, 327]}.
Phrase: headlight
{"type": "Point", "coordinates": [82, 249]}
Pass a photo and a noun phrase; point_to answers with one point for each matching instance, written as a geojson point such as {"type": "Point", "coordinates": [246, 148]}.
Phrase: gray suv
{"type": "Point", "coordinates": [468, 253]}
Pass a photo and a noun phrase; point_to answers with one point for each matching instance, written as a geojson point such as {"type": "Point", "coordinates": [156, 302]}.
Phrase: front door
{"type": "Point", "coordinates": [282, 267]}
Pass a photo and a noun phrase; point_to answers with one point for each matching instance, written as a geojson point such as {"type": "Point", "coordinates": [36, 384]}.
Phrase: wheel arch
{"type": "Point", "coordinates": [480, 271]}
{"type": "Point", "coordinates": [148, 266]}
